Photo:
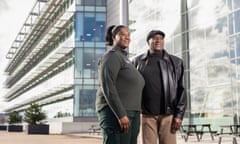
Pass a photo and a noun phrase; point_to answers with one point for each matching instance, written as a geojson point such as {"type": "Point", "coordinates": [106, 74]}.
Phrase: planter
{"type": "Point", "coordinates": [15, 128]}
{"type": "Point", "coordinates": [37, 129]}
{"type": "Point", "coordinates": [3, 127]}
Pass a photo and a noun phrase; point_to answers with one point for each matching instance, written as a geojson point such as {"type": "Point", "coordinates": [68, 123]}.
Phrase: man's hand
{"type": "Point", "coordinates": [124, 123]}
{"type": "Point", "coordinates": [176, 124]}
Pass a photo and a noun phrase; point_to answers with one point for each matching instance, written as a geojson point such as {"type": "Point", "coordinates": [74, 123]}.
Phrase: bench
{"type": "Point", "coordinates": [94, 129]}
{"type": "Point", "coordinates": [191, 129]}
{"type": "Point", "coordinates": [230, 132]}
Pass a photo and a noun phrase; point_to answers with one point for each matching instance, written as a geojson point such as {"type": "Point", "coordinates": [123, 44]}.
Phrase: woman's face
{"type": "Point", "coordinates": [122, 39]}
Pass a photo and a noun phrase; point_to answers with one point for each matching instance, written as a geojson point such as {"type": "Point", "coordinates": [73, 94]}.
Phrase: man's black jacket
{"type": "Point", "coordinates": [172, 73]}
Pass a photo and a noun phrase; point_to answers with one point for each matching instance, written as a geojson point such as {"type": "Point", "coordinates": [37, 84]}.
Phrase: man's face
{"type": "Point", "coordinates": [122, 39]}
{"type": "Point", "coordinates": [156, 43]}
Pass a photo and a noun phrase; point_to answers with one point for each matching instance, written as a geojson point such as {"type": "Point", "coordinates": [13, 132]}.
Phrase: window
{"type": "Point", "coordinates": [87, 102]}
{"type": "Point", "coordinates": [89, 2]}
{"type": "Point", "coordinates": [230, 4]}
{"type": "Point", "coordinates": [100, 26]}
{"type": "Point", "coordinates": [88, 58]}
{"type": "Point", "coordinates": [193, 19]}
{"type": "Point", "coordinates": [230, 21]}
{"type": "Point", "coordinates": [236, 4]}
{"type": "Point", "coordinates": [78, 62]}
{"type": "Point", "coordinates": [101, 2]}
{"type": "Point", "coordinates": [99, 53]}
{"type": "Point", "coordinates": [79, 2]}
{"type": "Point", "coordinates": [221, 25]}
{"type": "Point", "coordinates": [232, 47]}
{"type": "Point", "coordinates": [79, 26]}
{"type": "Point", "coordinates": [177, 44]}
{"type": "Point", "coordinates": [89, 29]}
{"type": "Point", "coordinates": [90, 61]}
{"type": "Point", "coordinates": [238, 45]}
{"type": "Point", "coordinates": [192, 3]}
{"type": "Point", "coordinates": [237, 21]}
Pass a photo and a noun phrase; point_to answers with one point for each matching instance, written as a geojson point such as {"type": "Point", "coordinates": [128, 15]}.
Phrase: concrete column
{"type": "Point", "coordinates": [123, 13]}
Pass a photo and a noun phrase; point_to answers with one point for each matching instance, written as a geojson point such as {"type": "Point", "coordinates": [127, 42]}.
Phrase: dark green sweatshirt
{"type": "Point", "coordinates": [121, 84]}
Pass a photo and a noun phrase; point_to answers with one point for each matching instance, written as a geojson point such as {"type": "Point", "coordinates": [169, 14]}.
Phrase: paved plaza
{"type": "Point", "coordinates": [23, 138]}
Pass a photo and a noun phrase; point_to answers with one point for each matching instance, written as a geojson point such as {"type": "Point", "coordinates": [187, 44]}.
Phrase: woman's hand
{"type": "Point", "coordinates": [124, 123]}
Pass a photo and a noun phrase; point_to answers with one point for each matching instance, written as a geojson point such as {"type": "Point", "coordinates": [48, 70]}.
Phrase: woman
{"type": "Point", "coordinates": [118, 100]}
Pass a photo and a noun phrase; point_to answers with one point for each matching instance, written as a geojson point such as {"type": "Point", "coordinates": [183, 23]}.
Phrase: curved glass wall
{"type": "Point", "coordinates": [206, 35]}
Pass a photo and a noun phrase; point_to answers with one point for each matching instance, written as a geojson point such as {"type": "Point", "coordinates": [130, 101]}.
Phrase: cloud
{"type": "Point", "coordinates": [3, 6]}
{"type": "Point", "coordinates": [13, 13]}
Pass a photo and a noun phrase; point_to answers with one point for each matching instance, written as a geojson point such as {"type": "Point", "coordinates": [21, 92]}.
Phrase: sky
{"type": "Point", "coordinates": [13, 14]}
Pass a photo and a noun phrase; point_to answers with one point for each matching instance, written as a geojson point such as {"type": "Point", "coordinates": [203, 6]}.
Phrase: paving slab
{"type": "Point", "coordinates": [23, 138]}
{"type": "Point", "coordinates": [86, 138]}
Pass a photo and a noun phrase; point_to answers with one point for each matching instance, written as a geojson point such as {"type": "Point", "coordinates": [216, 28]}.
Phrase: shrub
{"type": "Point", "coordinates": [14, 117]}
{"type": "Point", "coordinates": [33, 115]}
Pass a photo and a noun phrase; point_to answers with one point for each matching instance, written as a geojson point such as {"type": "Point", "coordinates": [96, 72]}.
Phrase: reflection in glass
{"type": "Point", "coordinates": [78, 26]}
{"type": "Point", "coordinates": [210, 31]}
{"type": "Point", "coordinates": [89, 28]}
{"type": "Point", "coordinates": [99, 53]}
{"type": "Point", "coordinates": [236, 4]}
{"type": "Point", "coordinates": [78, 62]}
{"type": "Point", "coordinates": [217, 39]}
{"type": "Point", "coordinates": [193, 18]}
{"type": "Point", "coordinates": [169, 46]}
{"type": "Point", "coordinates": [177, 44]}
{"type": "Point", "coordinates": [192, 3]}
{"type": "Point", "coordinates": [89, 2]}
{"type": "Point", "coordinates": [218, 71]}
{"type": "Point", "coordinates": [220, 7]}
{"type": "Point", "coordinates": [88, 58]}
{"type": "Point", "coordinates": [232, 47]}
{"type": "Point", "coordinates": [229, 4]}
{"type": "Point", "coordinates": [196, 39]}
{"type": "Point", "coordinates": [198, 77]}
{"type": "Point", "coordinates": [221, 25]}
{"type": "Point", "coordinates": [238, 45]}
{"type": "Point", "coordinates": [237, 21]}
{"type": "Point", "coordinates": [230, 22]}
{"type": "Point", "coordinates": [147, 15]}
{"type": "Point", "coordinates": [79, 2]}
{"type": "Point", "coordinates": [87, 102]}
{"type": "Point", "coordinates": [101, 2]}
{"type": "Point", "coordinates": [100, 27]}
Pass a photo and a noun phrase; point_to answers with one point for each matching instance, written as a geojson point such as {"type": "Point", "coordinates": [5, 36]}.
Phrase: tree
{"type": "Point", "coordinates": [33, 115]}
{"type": "Point", "coordinates": [14, 117]}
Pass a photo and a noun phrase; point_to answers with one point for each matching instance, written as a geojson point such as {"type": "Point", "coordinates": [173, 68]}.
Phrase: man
{"type": "Point", "coordinates": [164, 99]}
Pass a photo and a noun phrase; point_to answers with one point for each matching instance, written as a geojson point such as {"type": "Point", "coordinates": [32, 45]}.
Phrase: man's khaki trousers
{"type": "Point", "coordinates": [156, 129]}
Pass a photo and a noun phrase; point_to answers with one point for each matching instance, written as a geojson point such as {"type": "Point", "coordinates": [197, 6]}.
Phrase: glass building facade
{"type": "Point", "coordinates": [56, 61]}
{"type": "Point", "coordinates": [206, 35]}
{"type": "Point", "coordinates": [90, 23]}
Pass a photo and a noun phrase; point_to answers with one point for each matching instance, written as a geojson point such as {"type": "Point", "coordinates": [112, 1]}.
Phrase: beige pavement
{"type": "Point", "coordinates": [23, 138]}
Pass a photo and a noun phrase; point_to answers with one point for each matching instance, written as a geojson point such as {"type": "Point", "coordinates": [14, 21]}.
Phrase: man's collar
{"type": "Point", "coordinates": [165, 55]}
